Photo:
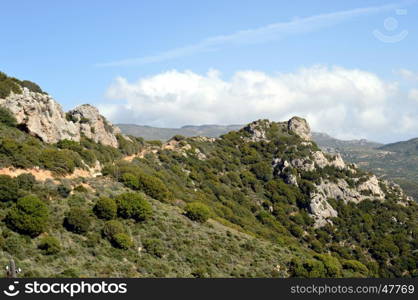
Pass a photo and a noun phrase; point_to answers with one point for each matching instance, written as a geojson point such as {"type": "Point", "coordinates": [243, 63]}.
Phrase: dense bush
{"type": "Point", "coordinates": [105, 208]}
{"type": "Point", "coordinates": [77, 220]}
{"type": "Point", "coordinates": [7, 118]}
{"type": "Point", "coordinates": [29, 216]}
{"type": "Point", "coordinates": [111, 228]}
{"type": "Point", "coordinates": [32, 86]}
{"type": "Point", "coordinates": [64, 190]}
{"type": "Point", "coordinates": [26, 181]}
{"type": "Point", "coordinates": [262, 171]}
{"type": "Point", "coordinates": [8, 85]}
{"type": "Point", "coordinates": [197, 211]}
{"type": "Point", "coordinates": [122, 241]}
{"type": "Point", "coordinates": [49, 245]}
{"type": "Point", "coordinates": [150, 185]}
{"type": "Point", "coordinates": [116, 234]}
{"type": "Point", "coordinates": [133, 205]}
{"type": "Point", "coordinates": [154, 247]}
{"type": "Point", "coordinates": [8, 188]}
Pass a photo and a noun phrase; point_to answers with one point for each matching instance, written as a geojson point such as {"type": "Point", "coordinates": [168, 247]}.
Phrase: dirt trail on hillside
{"type": "Point", "coordinates": [42, 175]}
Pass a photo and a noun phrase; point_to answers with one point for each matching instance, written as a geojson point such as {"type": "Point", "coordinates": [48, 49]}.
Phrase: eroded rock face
{"type": "Point", "coordinates": [41, 116]}
{"type": "Point", "coordinates": [300, 127]}
{"type": "Point", "coordinates": [258, 130]}
{"type": "Point", "coordinates": [321, 210]}
{"type": "Point", "coordinates": [93, 125]}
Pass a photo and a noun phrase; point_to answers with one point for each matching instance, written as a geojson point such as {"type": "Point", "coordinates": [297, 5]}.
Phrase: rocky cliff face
{"type": "Point", "coordinates": [41, 116]}
{"type": "Point", "coordinates": [355, 186]}
{"type": "Point", "coordinates": [93, 125]}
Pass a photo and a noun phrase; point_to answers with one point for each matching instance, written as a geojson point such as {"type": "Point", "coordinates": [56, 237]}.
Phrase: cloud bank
{"type": "Point", "coordinates": [346, 103]}
{"type": "Point", "coordinates": [262, 34]}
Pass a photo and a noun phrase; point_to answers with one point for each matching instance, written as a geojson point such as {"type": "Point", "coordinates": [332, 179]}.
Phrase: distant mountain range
{"type": "Point", "coordinates": [395, 161]}
{"type": "Point", "coordinates": [163, 134]}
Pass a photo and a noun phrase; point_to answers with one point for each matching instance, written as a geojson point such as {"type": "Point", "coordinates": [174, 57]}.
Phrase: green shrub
{"type": "Point", "coordinates": [262, 171]}
{"type": "Point", "coordinates": [29, 216]}
{"type": "Point", "coordinates": [105, 208]}
{"type": "Point", "coordinates": [77, 220]}
{"type": "Point", "coordinates": [26, 181]}
{"type": "Point", "coordinates": [49, 245]}
{"type": "Point", "coordinates": [8, 85]}
{"type": "Point", "coordinates": [154, 247]}
{"type": "Point", "coordinates": [64, 190]}
{"type": "Point", "coordinates": [133, 205]}
{"type": "Point", "coordinates": [8, 188]}
{"type": "Point", "coordinates": [122, 241]}
{"type": "Point", "coordinates": [115, 233]}
{"type": "Point", "coordinates": [355, 266]}
{"type": "Point", "coordinates": [150, 185]}
{"type": "Point", "coordinates": [7, 118]}
{"type": "Point", "coordinates": [32, 86]}
{"type": "Point", "coordinates": [112, 228]}
{"type": "Point", "coordinates": [332, 265]}
{"type": "Point", "coordinates": [197, 211]}
{"type": "Point", "coordinates": [81, 189]}
{"type": "Point", "coordinates": [130, 180]}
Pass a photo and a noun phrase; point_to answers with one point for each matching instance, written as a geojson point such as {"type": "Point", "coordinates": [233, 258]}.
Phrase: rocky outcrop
{"type": "Point", "coordinates": [321, 210]}
{"type": "Point", "coordinates": [258, 130]}
{"type": "Point", "coordinates": [93, 125]}
{"type": "Point", "coordinates": [321, 160]}
{"type": "Point", "coordinates": [41, 116]}
{"type": "Point", "coordinates": [300, 127]}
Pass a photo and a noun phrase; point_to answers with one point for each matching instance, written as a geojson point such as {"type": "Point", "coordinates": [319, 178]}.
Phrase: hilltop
{"type": "Point", "coordinates": [260, 201]}
{"type": "Point", "coordinates": [396, 161]}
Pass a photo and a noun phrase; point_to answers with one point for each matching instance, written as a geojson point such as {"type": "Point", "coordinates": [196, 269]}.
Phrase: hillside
{"type": "Point", "coordinates": [399, 166]}
{"type": "Point", "coordinates": [396, 161]}
{"type": "Point", "coordinates": [262, 201]}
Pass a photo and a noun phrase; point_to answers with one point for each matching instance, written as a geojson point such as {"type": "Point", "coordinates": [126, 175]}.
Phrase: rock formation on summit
{"type": "Point", "coordinates": [41, 116]}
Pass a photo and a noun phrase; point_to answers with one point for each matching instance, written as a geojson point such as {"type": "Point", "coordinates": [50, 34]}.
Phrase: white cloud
{"type": "Point", "coordinates": [413, 95]}
{"type": "Point", "coordinates": [262, 34]}
{"type": "Point", "coordinates": [408, 74]}
{"type": "Point", "coordinates": [343, 102]}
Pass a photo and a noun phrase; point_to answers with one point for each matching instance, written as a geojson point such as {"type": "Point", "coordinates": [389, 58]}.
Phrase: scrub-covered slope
{"type": "Point", "coordinates": [258, 202]}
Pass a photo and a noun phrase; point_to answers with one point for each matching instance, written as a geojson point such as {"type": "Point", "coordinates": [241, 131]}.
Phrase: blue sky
{"type": "Point", "coordinates": [97, 51]}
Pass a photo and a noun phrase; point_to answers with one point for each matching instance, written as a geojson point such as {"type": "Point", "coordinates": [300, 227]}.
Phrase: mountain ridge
{"type": "Point", "coordinates": [260, 201]}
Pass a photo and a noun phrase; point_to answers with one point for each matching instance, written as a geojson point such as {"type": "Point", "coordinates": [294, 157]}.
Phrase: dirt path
{"type": "Point", "coordinates": [42, 175]}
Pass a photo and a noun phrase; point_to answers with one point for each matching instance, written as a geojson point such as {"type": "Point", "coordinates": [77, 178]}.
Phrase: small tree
{"type": "Point", "coordinates": [122, 241]}
{"type": "Point", "coordinates": [105, 208]}
{"type": "Point", "coordinates": [29, 216]}
{"type": "Point", "coordinates": [197, 211]}
{"type": "Point", "coordinates": [111, 228]}
{"type": "Point", "coordinates": [115, 233]}
{"type": "Point", "coordinates": [26, 181]}
{"type": "Point", "coordinates": [49, 245]}
{"type": "Point", "coordinates": [77, 220]}
{"type": "Point", "coordinates": [133, 205]}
